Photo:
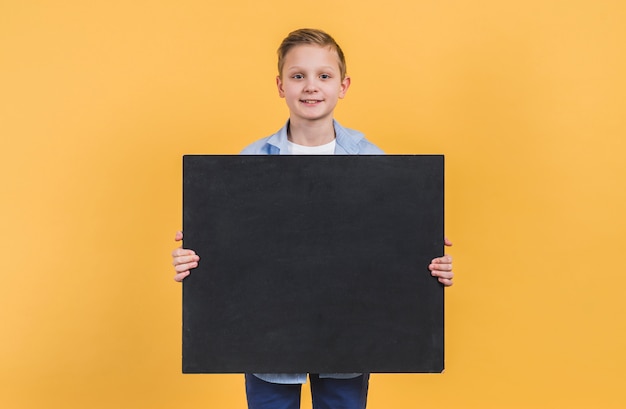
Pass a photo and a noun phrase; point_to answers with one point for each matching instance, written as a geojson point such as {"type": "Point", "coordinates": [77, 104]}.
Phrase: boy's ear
{"type": "Point", "coordinates": [279, 85]}
{"type": "Point", "coordinates": [345, 84]}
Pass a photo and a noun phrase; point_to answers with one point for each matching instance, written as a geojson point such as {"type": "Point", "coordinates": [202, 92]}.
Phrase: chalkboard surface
{"type": "Point", "coordinates": [313, 264]}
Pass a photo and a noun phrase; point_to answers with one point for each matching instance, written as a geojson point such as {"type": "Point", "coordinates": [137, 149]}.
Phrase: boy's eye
{"type": "Point", "coordinates": [324, 76]}
{"type": "Point", "coordinates": [297, 76]}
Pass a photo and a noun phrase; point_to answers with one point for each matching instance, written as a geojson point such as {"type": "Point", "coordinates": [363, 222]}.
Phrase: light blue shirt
{"type": "Point", "coordinates": [349, 142]}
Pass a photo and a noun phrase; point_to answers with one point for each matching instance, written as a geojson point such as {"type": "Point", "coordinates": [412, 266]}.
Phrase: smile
{"type": "Point", "coordinates": [310, 101]}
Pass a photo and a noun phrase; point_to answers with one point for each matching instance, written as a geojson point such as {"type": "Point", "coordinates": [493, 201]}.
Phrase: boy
{"type": "Point", "coordinates": [311, 78]}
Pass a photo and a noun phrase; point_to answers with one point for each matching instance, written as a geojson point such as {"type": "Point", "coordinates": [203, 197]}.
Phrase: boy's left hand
{"type": "Point", "coordinates": [441, 267]}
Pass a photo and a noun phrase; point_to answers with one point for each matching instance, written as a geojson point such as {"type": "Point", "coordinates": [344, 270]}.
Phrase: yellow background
{"type": "Point", "coordinates": [100, 99]}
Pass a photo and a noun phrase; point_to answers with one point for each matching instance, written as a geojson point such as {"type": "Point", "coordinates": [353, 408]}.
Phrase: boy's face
{"type": "Point", "coordinates": [311, 82]}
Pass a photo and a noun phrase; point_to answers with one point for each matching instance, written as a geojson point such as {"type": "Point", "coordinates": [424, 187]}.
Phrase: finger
{"type": "Point", "coordinates": [179, 252]}
{"type": "Point", "coordinates": [445, 268]}
{"type": "Point", "coordinates": [185, 259]}
{"type": "Point", "coordinates": [447, 242]}
{"type": "Point", "coordinates": [446, 282]}
{"type": "Point", "coordinates": [442, 260]}
{"type": "Point", "coordinates": [181, 276]}
{"type": "Point", "coordinates": [181, 268]}
{"type": "Point", "coordinates": [438, 265]}
{"type": "Point", "coordinates": [179, 236]}
{"type": "Point", "coordinates": [442, 274]}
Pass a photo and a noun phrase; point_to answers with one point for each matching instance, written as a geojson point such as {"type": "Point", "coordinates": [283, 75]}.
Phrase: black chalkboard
{"type": "Point", "coordinates": [313, 264]}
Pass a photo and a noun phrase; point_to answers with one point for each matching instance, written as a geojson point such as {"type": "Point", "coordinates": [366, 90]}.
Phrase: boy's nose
{"type": "Point", "coordinates": [310, 86]}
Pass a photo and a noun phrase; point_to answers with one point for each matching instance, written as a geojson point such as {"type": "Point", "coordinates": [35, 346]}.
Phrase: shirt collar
{"type": "Point", "coordinates": [347, 140]}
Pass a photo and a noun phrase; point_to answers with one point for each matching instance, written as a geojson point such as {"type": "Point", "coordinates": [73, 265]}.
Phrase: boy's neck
{"type": "Point", "coordinates": [311, 133]}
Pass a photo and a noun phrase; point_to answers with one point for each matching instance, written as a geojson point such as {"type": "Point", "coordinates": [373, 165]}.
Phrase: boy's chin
{"type": "Point", "coordinates": [312, 114]}
{"type": "Point", "coordinates": [312, 118]}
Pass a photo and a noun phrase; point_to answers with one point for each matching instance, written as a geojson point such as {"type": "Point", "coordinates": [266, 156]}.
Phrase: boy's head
{"type": "Point", "coordinates": [308, 36]}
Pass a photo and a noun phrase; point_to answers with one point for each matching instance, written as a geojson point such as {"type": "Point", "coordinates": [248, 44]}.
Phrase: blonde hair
{"type": "Point", "coordinates": [309, 36]}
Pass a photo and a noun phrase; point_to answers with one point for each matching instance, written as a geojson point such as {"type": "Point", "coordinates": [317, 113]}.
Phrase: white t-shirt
{"type": "Point", "coordinates": [327, 149]}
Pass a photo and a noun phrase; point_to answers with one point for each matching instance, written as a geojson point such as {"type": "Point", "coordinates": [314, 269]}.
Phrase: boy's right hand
{"type": "Point", "coordinates": [183, 260]}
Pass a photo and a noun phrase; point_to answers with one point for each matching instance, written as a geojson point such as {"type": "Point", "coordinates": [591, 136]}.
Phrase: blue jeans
{"type": "Point", "coordinates": [327, 393]}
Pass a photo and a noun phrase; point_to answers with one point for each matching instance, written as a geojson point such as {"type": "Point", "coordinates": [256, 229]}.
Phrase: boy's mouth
{"type": "Point", "coordinates": [310, 101]}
